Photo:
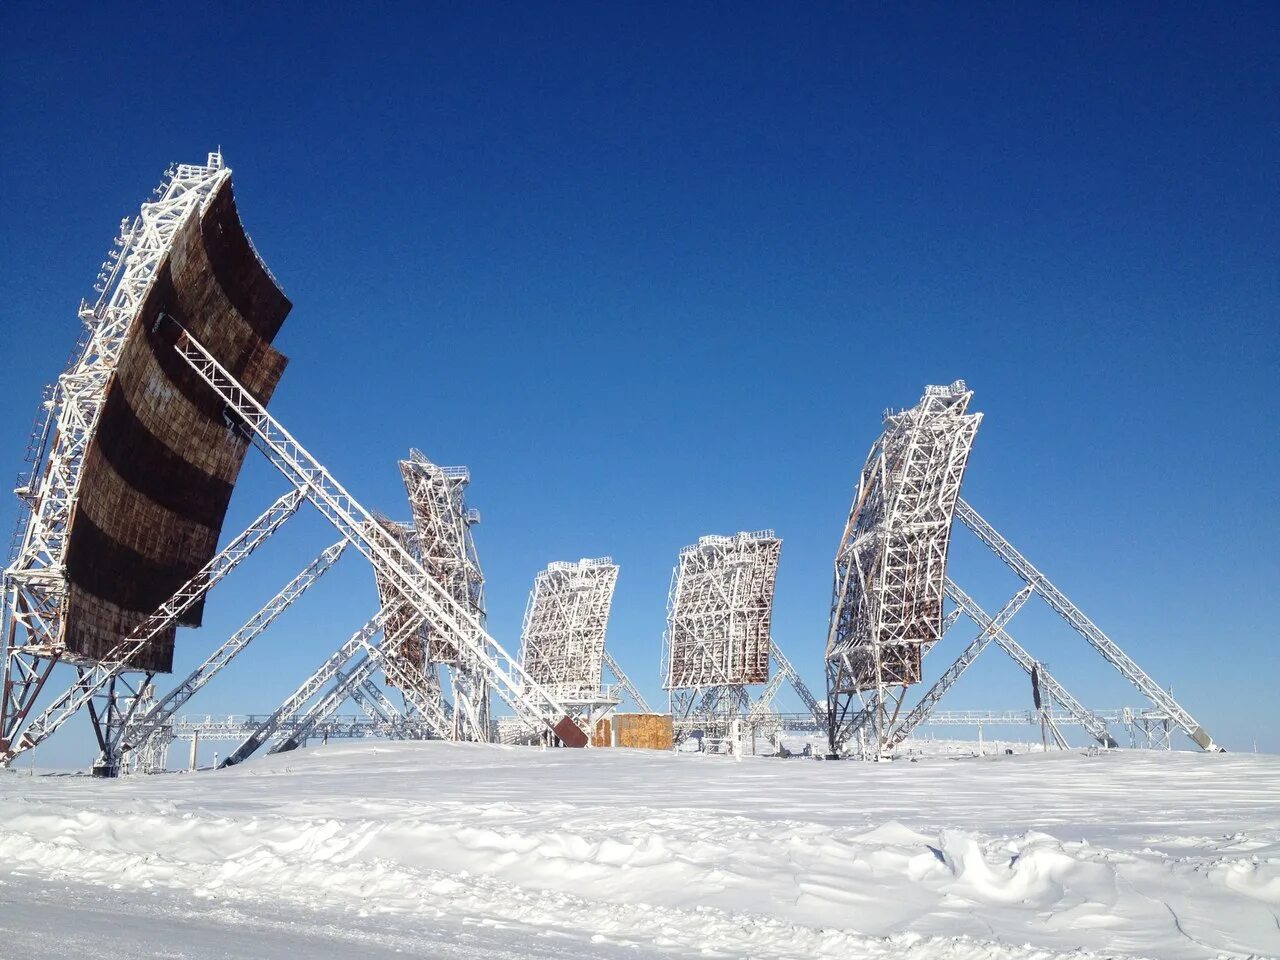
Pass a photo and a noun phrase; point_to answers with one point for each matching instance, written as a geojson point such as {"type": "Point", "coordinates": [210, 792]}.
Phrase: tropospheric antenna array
{"type": "Point", "coordinates": [161, 371]}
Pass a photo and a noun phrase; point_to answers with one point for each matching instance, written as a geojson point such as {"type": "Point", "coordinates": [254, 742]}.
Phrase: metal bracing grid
{"type": "Point", "coordinates": [35, 585]}
{"type": "Point", "coordinates": [717, 640]}
{"type": "Point", "coordinates": [412, 648]}
{"type": "Point", "coordinates": [443, 524]}
{"type": "Point", "coordinates": [504, 673]}
{"type": "Point", "coordinates": [565, 622]}
{"type": "Point", "coordinates": [719, 611]}
{"type": "Point", "coordinates": [890, 568]}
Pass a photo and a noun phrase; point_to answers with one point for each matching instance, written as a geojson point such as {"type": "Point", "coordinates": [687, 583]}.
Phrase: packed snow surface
{"type": "Point", "coordinates": [453, 850]}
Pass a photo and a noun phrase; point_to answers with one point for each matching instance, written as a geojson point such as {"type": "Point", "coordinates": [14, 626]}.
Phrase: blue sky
{"type": "Point", "coordinates": [655, 272]}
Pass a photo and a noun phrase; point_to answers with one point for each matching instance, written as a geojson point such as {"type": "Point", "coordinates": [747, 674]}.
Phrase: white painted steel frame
{"type": "Point", "coordinates": [1160, 698]}
{"type": "Point", "coordinates": [565, 623]}
{"type": "Point", "coordinates": [623, 683]}
{"type": "Point", "coordinates": [887, 597]}
{"type": "Point", "coordinates": [718, 639]}
{"type": "Point", "coordinates": [460, 625]}
{"type": "Point", "coordinates": [443, 524]}
{"type": "Point", "coordinates": [332, 669]}
{"type": "Point", "coordinates": [150, 733]}
{"type": "Point", "coordinates": [784, 672]}
{"type": "Point", "coordinates": [35, 588]}
{"type": "Point", "coordinates": [93, 679]}
{"type": "Point", "coordinates": [236, 728]}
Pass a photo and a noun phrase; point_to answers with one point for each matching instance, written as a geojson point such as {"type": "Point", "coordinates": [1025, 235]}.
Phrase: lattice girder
{"type": "Point", "coordinates": [565, 623]}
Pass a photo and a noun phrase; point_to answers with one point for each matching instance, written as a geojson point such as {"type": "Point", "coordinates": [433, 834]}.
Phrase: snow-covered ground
{"type": "Point", "coordinates": [439, 850]}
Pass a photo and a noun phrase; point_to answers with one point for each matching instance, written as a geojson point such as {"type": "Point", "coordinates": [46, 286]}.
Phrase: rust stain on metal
{"type": "Point", "coordinates": [159, 471]}
{"type": "Point", "coordinates": [570, 734]}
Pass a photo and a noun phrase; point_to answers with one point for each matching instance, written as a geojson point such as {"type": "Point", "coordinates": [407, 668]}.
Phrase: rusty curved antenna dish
{"type": "Point", "coordinates": [160, 468]}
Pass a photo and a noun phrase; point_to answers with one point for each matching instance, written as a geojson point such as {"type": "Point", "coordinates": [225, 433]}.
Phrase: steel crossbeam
{"type": "Point", "coordinates": [93, 679]}
{"type": "Point", "coordinates": [920, 712]}
{"type": "Point", "coordinates": [1072, 614]}
{"type": "Point", "coordinates": [801, 688]}
{"type": "Point", "coordinates": [624, 683]}
{"type": "Point", "coordinates": [1094, 725]}
{"type": "Point", "coordinates": [313, 684]}
{"type": "Point", "coordinates": [415, 688]}
{"type": "Point", "coordinates": [519, 691]}
{"type": "Point", "coordinates": [153, 723]}
{"type": "Point", "coordinates": [347, 681]}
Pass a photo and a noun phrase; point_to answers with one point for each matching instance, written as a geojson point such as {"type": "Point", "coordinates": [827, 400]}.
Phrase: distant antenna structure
{"type": "Point", "coordinates": [891, 582]}
{"type": "Point", "coordinates": [442, 523]}
{"type": "Point", "coordinates": [409, 657]}
{"type": "Point", "coordinates": [563, 641]}
{"type": "Point", "coordinates": [717, 644]}
{"type": "Point", "coordinates": [891, 564]}
{"type": "Point", "coordinates": [131, 465]}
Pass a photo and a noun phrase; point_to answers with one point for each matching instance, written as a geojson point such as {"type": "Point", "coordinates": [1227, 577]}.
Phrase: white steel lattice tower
{"type": "Point", "coordinates": [890, 569]}
{"type": "Point", "coordinates": [564, 634]}
{"type": "Point", "coordinates": [35, 582]}
{"type": "Point", "coordinates": [443, 525]}
{"type": "Point", "coordinates": [717, 641]}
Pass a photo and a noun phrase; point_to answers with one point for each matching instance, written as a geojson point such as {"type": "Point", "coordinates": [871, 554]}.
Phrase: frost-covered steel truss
{"type": "Point", "coordinates": [784, 672]}
{"type": "Point", "coordinates": [717, 641]}
{"type": "Point", "coordinates": [623, 684]}
{"type": "Point", "coordinates": [343, 675]}
{"type": "Point", "coordinates": [235, 727]}
{"type": "Point", "coordinates": [890, 567]}
{"type": "Point", "coordinates": [866, 687]}
{"type": "Point", "coordinates": [443, 525]}
{"type": "Point", "coordinates": [1146, 728]}
{"type": "Point", "coordinates": [933, 696]}
{"type": "Point", "coordinates": [35, 582]}
{"type": "Point", "coordinates": [146, 739]}
{"type": "Point", "coordinates": [410, 580]}
{"type": "Point", "coordinates": [412, 648]}
{"type": "Point", "coordinates": [565, 622]}
{"type": "Point", "coordinates": [97, 682]}
{"type": "Point", "coordinates": [1166, 710]}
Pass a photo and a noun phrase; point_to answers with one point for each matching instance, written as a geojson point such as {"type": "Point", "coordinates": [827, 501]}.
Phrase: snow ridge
{"type": "Point", "coordinates": [671, 855]}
